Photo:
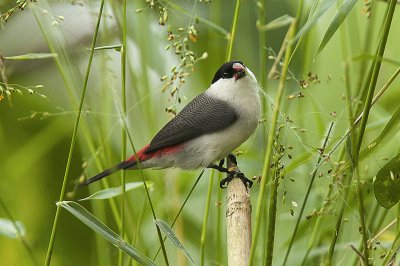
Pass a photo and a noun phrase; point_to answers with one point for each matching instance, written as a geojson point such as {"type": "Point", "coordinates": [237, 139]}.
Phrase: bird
{"type": "Point", "coordinates": [206, 130]}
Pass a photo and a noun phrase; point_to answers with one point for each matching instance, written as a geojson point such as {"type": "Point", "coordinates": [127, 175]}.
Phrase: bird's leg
{"type": "Point", "coordinates": [219, 167]}
{"type": "Point", "coordinates": [233, 171]}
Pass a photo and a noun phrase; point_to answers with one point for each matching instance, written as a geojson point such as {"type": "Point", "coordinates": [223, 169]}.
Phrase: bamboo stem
{"type": "Point", "coordinates": [238, 220]}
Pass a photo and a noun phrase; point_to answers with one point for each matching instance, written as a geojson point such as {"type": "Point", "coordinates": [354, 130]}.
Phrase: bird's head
{"type": "Point", "coordinates": [231, 70]}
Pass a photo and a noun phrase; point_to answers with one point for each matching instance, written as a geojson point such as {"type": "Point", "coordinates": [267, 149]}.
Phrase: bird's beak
{"type": "Point", "coordinates": [240, 71]}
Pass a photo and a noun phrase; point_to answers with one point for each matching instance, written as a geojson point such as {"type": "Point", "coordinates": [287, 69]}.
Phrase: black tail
{"type": "Point", "coordinates": [121, 166]}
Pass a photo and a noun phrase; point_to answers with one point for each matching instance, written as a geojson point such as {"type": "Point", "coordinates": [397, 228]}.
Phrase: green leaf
{"type": "Point", "coordinates": [116, 47]}
{"type": "Point", "coordinates": [30, 56]}
{"type": "Point", "coordinates": [337, 20]}
{"type": "Point", "coordinates": [167, 230]}
{"type": "Point", "coordinates": [277, 23]}
{"type": "Point", "coordinates": [387, 184]}
{"type": "Point", "coordinates": [96, 225]}
{"type": "Point", "coordinates": [115, 191]}
{"type": "Point", "coordinates": [390, 129]}
{"type": "Point", "coordinates": [311, 22]}
{"type": "Point", "coordinates": [7, 228]}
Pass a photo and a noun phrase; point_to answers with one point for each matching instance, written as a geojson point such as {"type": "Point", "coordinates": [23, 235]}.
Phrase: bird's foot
{"type": "Point", "coordinates": [232, 172]}
{"type": "Point", "coordinates": [231, 175]}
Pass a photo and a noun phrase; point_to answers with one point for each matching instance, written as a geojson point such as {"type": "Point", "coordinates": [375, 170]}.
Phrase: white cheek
{"type": "Point", "coordinates": [222, 89]}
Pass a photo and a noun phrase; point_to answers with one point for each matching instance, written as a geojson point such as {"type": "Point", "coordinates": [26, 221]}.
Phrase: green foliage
{"type": "Point", "coordinates": [96, 225]}
{"type": "Point", "coordinates": [322, 9]}
{"type": "Point", "coordinates": [30, 56]}
{"type": "Point", "coordinates": [146, 65]}
{"type": "Point", "coordinates": [277, 23]}
{"type": "Point", "coordinates": [387, 183]}
{"type": "Point", "coordinates": [337, 20]}
{"type": "Point", "coordinates": [115, 191]}
{"type": "Point", "coordinates": [167, 230]}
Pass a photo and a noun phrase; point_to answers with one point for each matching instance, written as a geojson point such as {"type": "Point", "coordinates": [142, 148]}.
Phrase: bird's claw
{"type": "Point", "coordinates": [231, 175]}
{"type": "Point", "coordinates": [232, 172]}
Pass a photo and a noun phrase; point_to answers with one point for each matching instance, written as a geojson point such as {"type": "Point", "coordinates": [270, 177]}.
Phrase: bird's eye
{"type": "Point", "coordinates": [225, 75]}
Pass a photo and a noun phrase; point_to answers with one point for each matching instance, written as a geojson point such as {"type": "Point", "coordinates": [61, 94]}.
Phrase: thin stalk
{"type": "Point", "coordinates": [19, 233]}
{"type": "Point", "coordinates": [206, 22]}
{"type": "Point", "coordinates": [60, 62]}
{"type": "Point", "coordinates": [393, 249]}
{"type": "Point", "coordinates": [374, 226]}
{"type": "Point", "coordinates": [181, 209]}
{"type": "Point", "coordinates": [73, 140]}
{"type": "Point", "coordinates": [367, 107]}
{"type": "Point", "coordinates": [376, 98]}
{"type": "Point", "coordinates": [281, 52]}
{"type": "Point", "coordinates": [381, 232]}
{"type": "Point", "coordinates": [136, 232]}
{"type": "Point", "coordinates": [369, 31]}
{"type": "Point", "coordinates": [233, 31]}
{"type": "Point", "coordinates": [262, 51]}
{"type": "Point", "coordinates": [316, 228]}
{"type": "Point", "coordinates": [263, 67]}
{"type": "Point", "coordinates": [351, 135]}
{"type": "Point", "coordinates": [205, 219]}
{"type": "Point", "coordinates": [336, 230]}
{"type": "Point", "coordinates": [361, 210]}
{"type": "Point", "coordinates": [139, 223]}
{"type": "Point", "coordinates": [372, 223]}
{"type": "Point", "coordinates": [375, 72]}
{"type": "Point", "coordinates": [356, 121]}
{"type": "Point", "coordinates": [272, 217]}
{"type": "Point", "coordinates": [123, 131]}
{"type": "Point", "coordinates": [146, 188]}
{"type": "Point", "coordinates": [267, 158]}
{"type": "Point", "coordinates": [320, 157]}
{"type": "Point", "coordinates": [264, 233]}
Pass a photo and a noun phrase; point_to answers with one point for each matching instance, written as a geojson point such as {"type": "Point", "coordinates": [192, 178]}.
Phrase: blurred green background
{"type": "Point", "coordinates": [35, 130]}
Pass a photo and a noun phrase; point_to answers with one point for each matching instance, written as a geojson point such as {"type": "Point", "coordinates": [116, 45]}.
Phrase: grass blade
{"type": "Point", "coordinates": [167, 230]}
{"type": "Point", "coordinates": [205, 220]}
{"type": "Point", "coordinates": [30, 56]}
{"type": "Point", "coordinates": [115, 191]}
{"type": "Point", "coordinates": [96, 225]}
{"type": "Point", "coordinates": [320, 157]}
{"type": "Point", "coordinates": [311, 22]}
{"type": "Point", "coordinates": [337, 20]}
{"type": "Point", "coordinates": [390, 129]}
{"type": "Point", "coordinates": [277, 23]}
{"type": "Point", "coordinates": [73, 138]}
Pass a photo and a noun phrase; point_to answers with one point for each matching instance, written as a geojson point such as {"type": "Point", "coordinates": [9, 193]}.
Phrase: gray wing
{"type": "Point", "coordinates": [203, 115]}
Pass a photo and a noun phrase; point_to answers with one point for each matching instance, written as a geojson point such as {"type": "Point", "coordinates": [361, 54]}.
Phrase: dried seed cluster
{"type": "Point", "coordinates": [9, 89]}
{"type": "Point", "coordinates": [20, 5]}
{"type": "Point", "coordinates": [367, 8]}
{"type": "Point", "coordinates": [178, 41]}
{"type": "Point", "coordinates": [178, 73]}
